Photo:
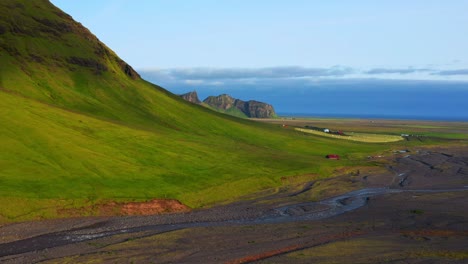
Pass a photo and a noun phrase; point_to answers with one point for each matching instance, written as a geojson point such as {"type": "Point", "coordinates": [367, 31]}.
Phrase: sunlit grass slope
{"type": "Point", "coordinates": [79, 126]}
{"type": "Point", "coordinates": [51, 154]}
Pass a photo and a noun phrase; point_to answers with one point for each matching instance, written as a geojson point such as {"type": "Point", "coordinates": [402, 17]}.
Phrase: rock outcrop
{"type": "Point", "coordinates": [256, 109]}
{"type": "Point", "coordinates": [253, 109]}
{"type": "Point", "coordinates": [191, 97]}
{"type": "Point", "coordinates": [227, 104]}
{"type": "Point", "coordinates": [222, 102]}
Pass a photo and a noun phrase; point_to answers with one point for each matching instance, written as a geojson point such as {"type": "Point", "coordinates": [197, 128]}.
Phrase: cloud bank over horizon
{"type": "Point", "coordinates": [293, 75]}
{"type": "Point", "coordinates": [416, 93]}
{"type": "Point", "coordinates": [202, 73]}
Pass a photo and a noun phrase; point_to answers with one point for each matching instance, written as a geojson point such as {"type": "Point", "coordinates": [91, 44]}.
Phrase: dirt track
{"type": "Point", "coordinates": [419, 188]}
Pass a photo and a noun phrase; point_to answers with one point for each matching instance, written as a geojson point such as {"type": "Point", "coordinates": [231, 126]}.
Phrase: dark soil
{"type": "Point", "coordinates": [422, 220]}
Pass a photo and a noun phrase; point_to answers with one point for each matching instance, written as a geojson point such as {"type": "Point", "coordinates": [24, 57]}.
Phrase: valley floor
{"type": "Point", "coordinates": [413, 212]}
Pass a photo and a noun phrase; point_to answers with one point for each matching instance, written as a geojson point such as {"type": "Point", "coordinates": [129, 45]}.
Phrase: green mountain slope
{"type": "Point", "coordinates": [79, 126]}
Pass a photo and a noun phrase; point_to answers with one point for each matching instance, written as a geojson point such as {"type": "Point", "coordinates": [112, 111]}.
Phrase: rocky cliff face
{"type": "Point", "coordinates": [227, 104]}
{"type": "Point", "coordinates": [223, 102]}
{"type": "Point", "coordinates": [259, 110]}
{"type": "Point", "coordinates": [191, 97]}
{"type": "Point", "coordinates": [250, 108]}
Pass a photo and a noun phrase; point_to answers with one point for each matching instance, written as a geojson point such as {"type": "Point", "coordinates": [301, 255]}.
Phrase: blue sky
{"type": "Point", "coordinates": [388, 58]}
{"type": "Point", "coordinates": [374, 38]}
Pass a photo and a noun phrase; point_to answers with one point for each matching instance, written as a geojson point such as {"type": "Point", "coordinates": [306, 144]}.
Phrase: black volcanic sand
{"type": "Point", "coordinates": [416, 212]}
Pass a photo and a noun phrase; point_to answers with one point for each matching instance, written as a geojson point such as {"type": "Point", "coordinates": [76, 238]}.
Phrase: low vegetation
{"type": "Point", "coordinates": [377, 249]}
{"type": "Point", "coordinates": [426, 130]}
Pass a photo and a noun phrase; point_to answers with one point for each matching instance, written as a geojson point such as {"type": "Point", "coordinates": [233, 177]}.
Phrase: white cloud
{"type": "Point", "coordinates": [292, 75]}
{"type": "Point", "coordinates": [193, 82]}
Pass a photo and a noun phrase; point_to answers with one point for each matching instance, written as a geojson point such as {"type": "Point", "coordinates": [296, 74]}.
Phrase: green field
{"type": "Point", "coordinates": [359, 137]}
{"type": "Point", "coordinates": [425, 129]}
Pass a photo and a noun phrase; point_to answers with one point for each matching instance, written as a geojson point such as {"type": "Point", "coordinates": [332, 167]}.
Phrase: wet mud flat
{"type": "Point", "coordinates": [424, 220]}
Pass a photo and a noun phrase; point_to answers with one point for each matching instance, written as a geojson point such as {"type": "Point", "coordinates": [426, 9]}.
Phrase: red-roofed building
{"type": "Point", "coordinates": [333, 156]}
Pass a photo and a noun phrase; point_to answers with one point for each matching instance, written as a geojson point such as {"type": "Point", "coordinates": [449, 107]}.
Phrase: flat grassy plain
{"type": "Point", "coordinates": [428, 129]}
{"type": "Point", "coordinates": [360, 137]}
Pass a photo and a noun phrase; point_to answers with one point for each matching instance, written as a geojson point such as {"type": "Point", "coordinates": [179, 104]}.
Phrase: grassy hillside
{"type": "Point", "coordinates": [51, 155]}
{"type": "Point", "coordinates": [231, 111]}
{"type": "Point", "coordinates": [79, 126]}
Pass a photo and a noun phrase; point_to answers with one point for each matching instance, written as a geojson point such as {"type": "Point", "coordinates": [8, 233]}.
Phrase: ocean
{"type": "Point", "coordinates": [396, 103]}
{"type": "Point", "coordinates": [366, 98]}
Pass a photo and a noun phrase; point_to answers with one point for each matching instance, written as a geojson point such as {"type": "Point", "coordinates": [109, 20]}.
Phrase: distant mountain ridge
{"type": "Point", "coordinates": [227, 104]}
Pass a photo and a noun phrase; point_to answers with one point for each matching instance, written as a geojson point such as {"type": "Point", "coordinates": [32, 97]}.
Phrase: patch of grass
{"type": "Point", "coordinates": [330, 187]}
{"type": "Point", "coordinates": [132, 250]}
{"type": "Point", "coordinates": [446, 135]}
{"type": "Point", "coordinates": [360, 250]}
{"type": "Point", "coordinates": [432, 129]}
{"type": "Point", "coordinates": [417, 211]}
{"type": "Point", "coordinates": [234, 112]}
{"type": "Point", "coordinates": [445, 254]}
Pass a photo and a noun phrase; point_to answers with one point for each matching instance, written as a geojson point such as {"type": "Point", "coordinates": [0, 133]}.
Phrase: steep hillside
{"type": "Point", "coordinates": [79, 127]}
{"type": "Point", "coordinates": [48, 56]}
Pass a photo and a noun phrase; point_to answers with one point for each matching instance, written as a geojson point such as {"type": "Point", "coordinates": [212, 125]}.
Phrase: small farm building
{"type": "Point", "coordinates": [333, 156]}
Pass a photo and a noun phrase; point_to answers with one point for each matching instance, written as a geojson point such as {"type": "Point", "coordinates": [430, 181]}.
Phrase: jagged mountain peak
{"type": "Point", "coordinates": [191, 97]}
{"type": "Point", "coordinates": [230, 105]}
